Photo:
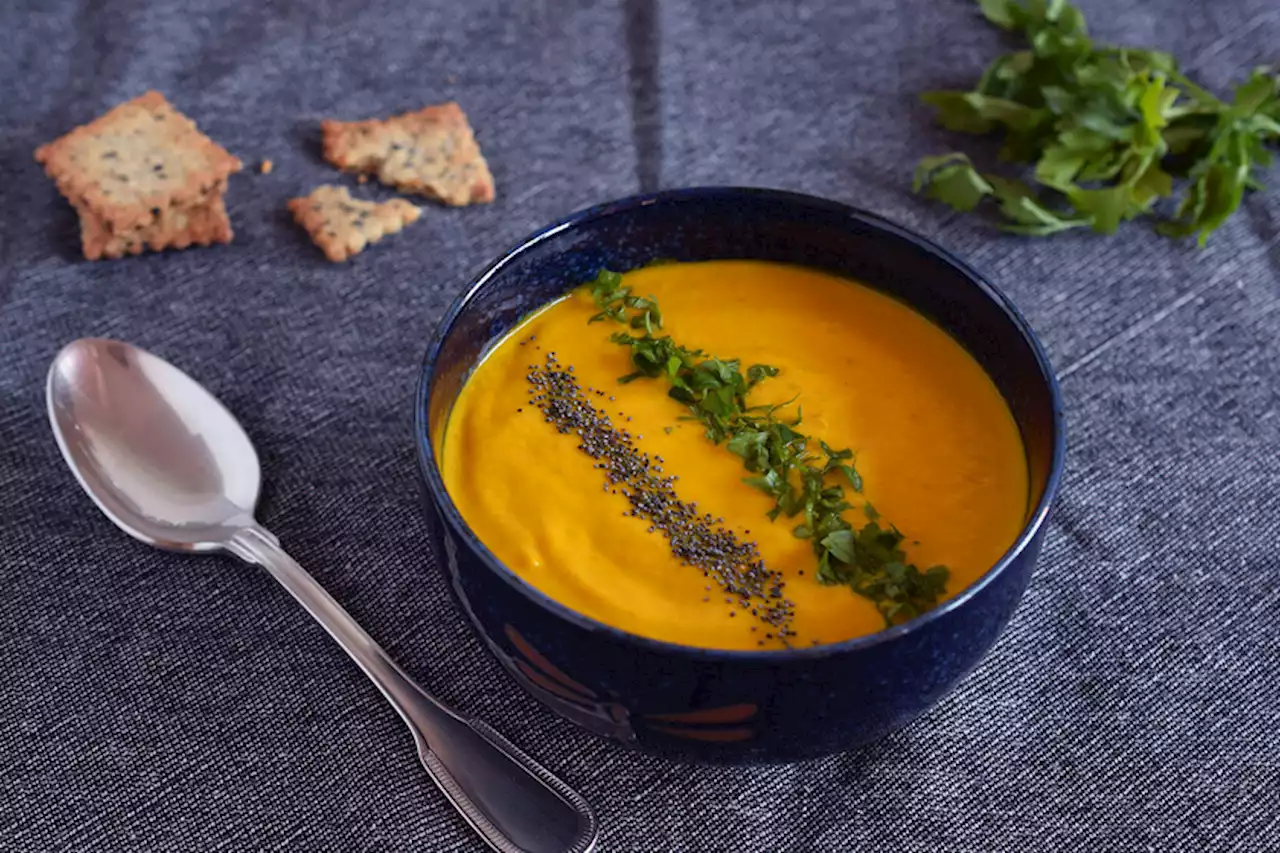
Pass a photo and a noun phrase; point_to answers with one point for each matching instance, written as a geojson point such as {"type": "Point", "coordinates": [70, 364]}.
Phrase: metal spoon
{"type": "Point", "coordinates": [171, 466]}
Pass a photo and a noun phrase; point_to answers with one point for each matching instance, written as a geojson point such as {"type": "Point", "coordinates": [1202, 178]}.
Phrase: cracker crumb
{"type": "Point", "coordinates": [265, 167]}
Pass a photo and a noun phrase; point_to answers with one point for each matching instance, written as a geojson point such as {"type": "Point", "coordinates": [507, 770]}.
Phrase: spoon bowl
{"type": "Point", "coordinates": [194, 480]}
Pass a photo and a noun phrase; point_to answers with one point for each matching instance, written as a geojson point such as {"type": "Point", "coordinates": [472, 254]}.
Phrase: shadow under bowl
{"type": "Point", "coordinates": [722, 705]}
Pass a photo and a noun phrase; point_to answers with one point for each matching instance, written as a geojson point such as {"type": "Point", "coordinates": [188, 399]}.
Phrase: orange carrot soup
{"type": "Point", "coordinates": [736, 455]}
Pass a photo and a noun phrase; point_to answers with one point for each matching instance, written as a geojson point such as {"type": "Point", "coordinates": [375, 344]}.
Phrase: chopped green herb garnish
{"type": "Point", "coordinates": [803, 481]}
{"type": "Point", "coordinates": [614, 299]}
{"type": "Point", "coordinates": [1108, 129]}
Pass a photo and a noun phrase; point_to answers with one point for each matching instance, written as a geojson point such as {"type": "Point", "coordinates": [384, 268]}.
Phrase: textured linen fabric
{"type": "Point", "coordinates": [155, 702]}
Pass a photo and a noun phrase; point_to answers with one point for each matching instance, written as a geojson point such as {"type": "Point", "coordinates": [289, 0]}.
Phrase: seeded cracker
{"type": "Point", "coordinates": [142, 176]}
{"type": "Point", "coordinates": [431, 151]}
{"type": "Point", "coordinates": [342, 226]}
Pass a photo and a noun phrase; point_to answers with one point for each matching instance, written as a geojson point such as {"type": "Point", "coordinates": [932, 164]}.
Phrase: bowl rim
{"type": "Point", "coordinates": [430, 470]}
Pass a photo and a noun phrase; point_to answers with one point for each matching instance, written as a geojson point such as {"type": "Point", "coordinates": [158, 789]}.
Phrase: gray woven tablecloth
{"type": "Point", "coordinates": [154, 702]}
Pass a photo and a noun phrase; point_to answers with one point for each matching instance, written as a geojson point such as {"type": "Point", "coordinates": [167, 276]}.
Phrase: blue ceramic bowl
{"type": "Point", "coordinates": [705, 704]}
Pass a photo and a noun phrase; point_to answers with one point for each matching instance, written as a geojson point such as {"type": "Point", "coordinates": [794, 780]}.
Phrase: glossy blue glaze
{"type": "Point", "coordinates": [737, 705]}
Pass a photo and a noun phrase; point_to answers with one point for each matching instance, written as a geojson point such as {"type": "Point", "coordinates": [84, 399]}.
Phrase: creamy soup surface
{"type": "Point", "coordinates": [937, 448]}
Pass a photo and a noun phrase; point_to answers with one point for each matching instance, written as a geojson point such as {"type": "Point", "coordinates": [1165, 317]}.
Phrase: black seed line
{"type": "Point", "coordinates": [698, 540]}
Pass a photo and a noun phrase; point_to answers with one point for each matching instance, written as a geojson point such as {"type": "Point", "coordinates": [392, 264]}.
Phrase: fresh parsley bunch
{"type": "Point", "coordinates": [1108, 130]}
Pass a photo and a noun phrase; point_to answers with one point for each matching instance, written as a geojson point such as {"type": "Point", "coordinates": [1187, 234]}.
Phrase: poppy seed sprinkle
{"type": "Point", "coordinates": [697, 539]}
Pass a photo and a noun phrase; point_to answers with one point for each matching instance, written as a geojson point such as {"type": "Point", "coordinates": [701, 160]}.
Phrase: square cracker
{"type": "Point", "coordinates": [343, 226]}
{"type": "Point", "coordinates": [138, 158]}
{"type": "Point", "coordinates": [174, 228]}
{"type": "Point", "coordinates": [431, 151]}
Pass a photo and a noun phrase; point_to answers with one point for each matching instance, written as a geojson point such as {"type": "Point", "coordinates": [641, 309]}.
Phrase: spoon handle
{"type": "Point", "coordinates": [514, 803]}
